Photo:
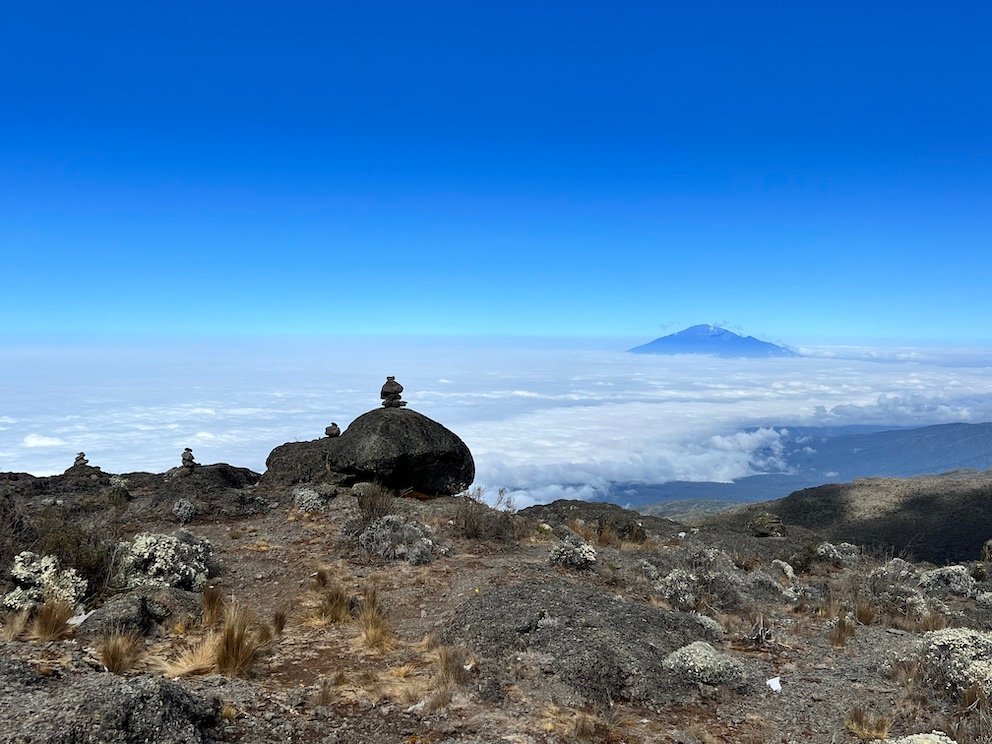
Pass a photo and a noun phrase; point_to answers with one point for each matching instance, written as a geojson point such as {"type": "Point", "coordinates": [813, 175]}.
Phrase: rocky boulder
{"type": "Point", "coordinates": [92, 707]}
{"type": "Point", "coordinates": [396, 447]}
{"type": "Point", "coordinates": [575, 644]}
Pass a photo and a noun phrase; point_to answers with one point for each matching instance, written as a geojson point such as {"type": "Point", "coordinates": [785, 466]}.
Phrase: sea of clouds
{"type": "Point", "coordinates": [544, 419]}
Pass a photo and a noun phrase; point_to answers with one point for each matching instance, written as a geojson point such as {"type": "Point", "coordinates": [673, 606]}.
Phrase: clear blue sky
{"type": "Point", "coordinates": [792, 169]}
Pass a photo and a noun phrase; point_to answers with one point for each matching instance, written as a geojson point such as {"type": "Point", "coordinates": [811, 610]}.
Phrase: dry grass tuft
{"type": "Point", "coordinates": [238, 646]}
{"type": "Point", "coordinates": [279, 618]}
{"type": "Point", "coordinates": [196, 659]}
{"type": "Point", "coordinates": [865, 612]}
{"type": "Point", "coordinates": [213, 605]}
{"type": "Point", "coordinates": [842, 632]}
{"type": "Point", "coordinates": [328, 692]}
{"type": "Point", "coordinates": [586, 531]}
{"type": "Point", "coordinates": [454, 665]}
{"type": "Point", "coordinates": [374, 502]}
{"type": "Point", "coordinates": [373, 625]}
{"type": "Point", "coordinates": [51, 622]}
{"type": "Point", "coordinates": [911, 623]}
{"type": "Point", "coordinates": [228, 712]}
{"type": "Point", "coordinates": [333, 606]}
{"type": "Point", "coordinates": [907, 672]}
{"type": "Point", "coordinates": [438, 699]}
{"type": "Point", "coordinates": [14, 625]}
{"type": "Point", "coordinates": [120, 650]}
{"type": "Point", "coordinates": [867, 726]}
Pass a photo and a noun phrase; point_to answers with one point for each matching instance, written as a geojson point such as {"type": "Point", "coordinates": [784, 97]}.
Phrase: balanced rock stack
{"type": "Point", "coordinates": [391, 392]}
{"type": "Point", "coordinates": [392, 445]}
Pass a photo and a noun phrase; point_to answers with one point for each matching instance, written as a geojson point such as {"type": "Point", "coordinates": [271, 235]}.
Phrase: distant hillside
{"type": "Point", "coordinates": [933, 518]}
{"type": "Point", "coordinates": [715, 341]}
{"type": "Point", "coordinates": [816, 456]}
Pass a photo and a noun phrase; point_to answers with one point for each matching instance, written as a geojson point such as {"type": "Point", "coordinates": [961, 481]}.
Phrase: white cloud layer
{"type": "Point", "coordinates": [544, 422]}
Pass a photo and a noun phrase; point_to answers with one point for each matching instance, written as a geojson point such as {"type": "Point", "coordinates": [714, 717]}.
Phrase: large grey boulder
{"type": "Point", "coordinates": [87, 708]}
{"type": "Point", "coordinates": [396, 447]}
{"type": "Point", "coordinates": [575, 644]}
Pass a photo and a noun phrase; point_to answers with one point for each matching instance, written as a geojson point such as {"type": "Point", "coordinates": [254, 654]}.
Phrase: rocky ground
{"type": "Point", "coordinates": [373, 618]}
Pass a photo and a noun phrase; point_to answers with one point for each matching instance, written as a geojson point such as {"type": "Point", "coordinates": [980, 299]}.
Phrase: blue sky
{"type": "Point", "coordinates": [794, 170]}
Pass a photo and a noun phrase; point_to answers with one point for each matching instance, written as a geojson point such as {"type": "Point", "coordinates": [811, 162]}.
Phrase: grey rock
{"type": "Point", "coordinates": [397, 447]}
{"type": "Point", "coordinates": [575, 644]}
{"type": "Point", "coordinates": [92, 707]}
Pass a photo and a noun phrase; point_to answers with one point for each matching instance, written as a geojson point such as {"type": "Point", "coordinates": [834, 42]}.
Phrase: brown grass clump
{"type": "Point", "coordinates": [585, 531]}
{"type": "Point", "coordinates": [279, 618]}
{"type": "Point", "coordinates": [14, 625]}
{"type": "Point", "coordinates": [865, 612]}
{"type": "Point", "coordinates": [199, 658]}
{"type": "Point", "coordinates": [375, 501]}
{"type": "Point", "coordinates": [120, 650]}
{"type": "Point", "coordinates": [51, 622]}
{"type": "Point", "coordinates": [333, 606]}
{"type": "Point", "coordinates": [842, 632]}
{"type": "Point", "coordinates": [867, 726]}
{"type": "Point", "coordinates": [328, 692]}
{"type": "Point", "coordinates": [373, 625]}
{"type": "Point", "coordinates": [228, 712]}
{"type": "Point", "coordinates": [909, 622]}
{"type": "Point", "coordinates": [238, 646]}
{"type": "Point", "coordinates": [453, 665]}
{"type": "Point", "coordinates": [213, 605]}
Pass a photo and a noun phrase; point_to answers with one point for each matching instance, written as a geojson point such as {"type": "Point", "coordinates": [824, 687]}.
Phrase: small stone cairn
{"type": "Point", "coordinates": [80, 461]}
{"type": "Point", "coordinates": [187, 458]}
{"type": "Point", "coordinates": [391, 393]}
{"type": "Point", "coordinates": [333, 430]}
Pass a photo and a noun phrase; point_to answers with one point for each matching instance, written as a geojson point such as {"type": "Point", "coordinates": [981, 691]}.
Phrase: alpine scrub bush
{"type": "Point", "coordinates": [42, 578]}
{"type": "Point", "coordinates": [178, 561]}
{"type": "Point", "coordinates": [572, 552]}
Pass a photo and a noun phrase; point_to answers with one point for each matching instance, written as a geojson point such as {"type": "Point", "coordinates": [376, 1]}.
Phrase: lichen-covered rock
{"type": "Point", "coordinates": [85, 707]}
{"type": "Point", "coordinates": [396, 447]}
{"type": "Point", "coordinates": [183, 510]}
{"type": "Point", "coordinates": [700, 662]}
{"type": "Point", "coordinates": [574, 643]}
{"type": "Point", "coordinates": [308, 499]}
{"type": "Point", "coordinates": [784, 570]}
{"type": "Point", "coordinates": [953, 579]}
{"type": "Point", "coordinates": [178, 561]}
{"type": "Point", "coordinates": [398, 539]}
{"type": "Point", "coordinates": [934, 737]}
{"type": "Point", "coordinates": [957, 658]}
{"type": "Point", "coordinates": [41, 578]}
{"type": "Point", "coordinates": [572, 552]}
{"type": "Point", "coordinates": [840, 553]}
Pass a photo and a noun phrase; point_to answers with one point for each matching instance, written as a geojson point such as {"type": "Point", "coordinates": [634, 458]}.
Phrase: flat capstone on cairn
{"type": "Point", "coordinates": [391, 394]}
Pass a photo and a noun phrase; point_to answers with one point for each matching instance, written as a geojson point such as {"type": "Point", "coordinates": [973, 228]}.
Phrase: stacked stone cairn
{"type": "Point", "coordinates": [391, 393]}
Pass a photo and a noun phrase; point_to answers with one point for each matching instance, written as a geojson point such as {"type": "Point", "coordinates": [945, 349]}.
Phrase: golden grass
{"type": "Point", "coordinates": [14, 625]}
{"type": "Point", "coordinates": [453, 665]}
{"type": "Point", "coordinates": [198, 658]}
{"type": "Point", "coordinates": [333, 606]}
{"type": "Point", "coordinates": [867, 726]}
{"type": "Point", "coordinates": [373, 625]}
{"type": "Point", "coordinates": [212, 603]}
{"type": "Point", "coordinates": [865, 613]}
{"type": "Point", "coordinates": [120, 650]}
{"type": "Point", "coordinates": [583, 530]}
{"type": "Point", "coordinates": [228, 712]}
{"type": "Point", "coordinates": [238, 646]}
{"type": "Point", "coordinates": [279, 618]}
{"type": "Point", "coordinates": [842, 632]}
{"type": "Point", "coordinates": [51, 621]}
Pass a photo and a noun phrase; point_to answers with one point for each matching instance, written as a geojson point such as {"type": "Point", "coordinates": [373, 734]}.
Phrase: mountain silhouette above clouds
{"type": "Point", "coordinates": [715, 341]}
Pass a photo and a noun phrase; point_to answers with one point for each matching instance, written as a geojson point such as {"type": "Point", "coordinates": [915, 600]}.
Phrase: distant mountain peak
{"type": "Point", "coordinates": [714, 341]}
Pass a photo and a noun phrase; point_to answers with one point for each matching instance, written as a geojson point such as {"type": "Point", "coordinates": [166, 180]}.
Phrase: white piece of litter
{"type": "Point", "coordinates": [775, 683]}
